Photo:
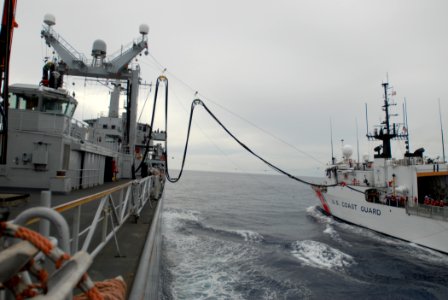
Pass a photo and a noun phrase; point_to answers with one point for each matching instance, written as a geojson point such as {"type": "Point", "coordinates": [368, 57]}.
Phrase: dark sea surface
{"type": "Point", "coordinates": [239, 236]}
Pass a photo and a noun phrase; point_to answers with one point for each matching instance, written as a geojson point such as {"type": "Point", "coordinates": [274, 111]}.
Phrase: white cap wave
{"type": "Point", "coordinates": [320, 255]}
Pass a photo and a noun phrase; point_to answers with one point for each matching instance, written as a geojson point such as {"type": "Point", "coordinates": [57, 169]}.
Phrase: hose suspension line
{"type": "Point", "coordinates": [160, 78]}
{"type": "Point", "coordinates": [194, 104]}
{"type": "Point", "coordinates": [274, 167]}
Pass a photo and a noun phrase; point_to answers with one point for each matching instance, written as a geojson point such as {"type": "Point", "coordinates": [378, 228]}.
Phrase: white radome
{"type": "Point", "coordinates": [347, 151]}
{"type": "Point", "coordinates": [49, 19]}
{"type": "Point", "coordinates": [143, 29]}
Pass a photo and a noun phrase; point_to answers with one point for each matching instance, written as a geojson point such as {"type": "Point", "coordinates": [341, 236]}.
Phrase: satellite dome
{"type": "Point", "coordinates": [365, 157]}
{"type": "Point", "coordinates": [99, 48]}
{"type": "Point", "coordinates": [347, 151]}
{"type": "Point", "coordinates": [143, 29]}
{"type": "Point", "coordinates": [49, 19]}
{"type": "Point", "coordinates": [402, 189]}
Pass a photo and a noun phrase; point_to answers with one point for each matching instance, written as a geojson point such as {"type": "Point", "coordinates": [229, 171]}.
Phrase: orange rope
{"type": "Point", "coordinates": [16, 284]}
{"type": "Point", "coordinates": [41, 243]}
{"type": "Point", "coordinates": [58, 263]}
{"type": "Point", "coordinates": [112, 289]}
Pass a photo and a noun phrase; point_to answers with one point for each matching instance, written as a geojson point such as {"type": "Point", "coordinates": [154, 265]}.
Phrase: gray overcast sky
{"type": "Point", "coordinates": [286, 66]}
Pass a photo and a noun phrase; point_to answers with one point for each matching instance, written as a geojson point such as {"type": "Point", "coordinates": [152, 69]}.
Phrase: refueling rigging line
{"type": "Point", "coordinates": [195, 103]}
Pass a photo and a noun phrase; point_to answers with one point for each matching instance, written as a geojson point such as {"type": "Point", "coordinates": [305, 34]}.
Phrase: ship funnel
{"type": "Point", "coordinates": [49, 19]}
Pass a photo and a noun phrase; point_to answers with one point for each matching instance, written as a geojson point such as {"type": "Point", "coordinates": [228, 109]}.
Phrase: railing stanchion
{"type": "Point", "coordinates": [45, 201]}
{"type": "Point", "coordinates": [75, 229]}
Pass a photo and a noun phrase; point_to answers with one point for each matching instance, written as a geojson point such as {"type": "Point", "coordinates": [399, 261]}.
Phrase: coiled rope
{"type": "Point", "coordinates": [110, 289]}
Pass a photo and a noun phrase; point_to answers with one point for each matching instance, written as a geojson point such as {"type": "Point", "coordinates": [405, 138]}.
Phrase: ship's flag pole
{"type": "Point", "coordinates": [331, 140]}
{"type": "Point", "coordinates": [441, 132]}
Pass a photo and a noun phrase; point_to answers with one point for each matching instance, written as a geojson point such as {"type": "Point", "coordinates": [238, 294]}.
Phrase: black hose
{"type": "Point", "coordinates": [160, 78]}
{"type": "Point", "coordinates": [195, 103]}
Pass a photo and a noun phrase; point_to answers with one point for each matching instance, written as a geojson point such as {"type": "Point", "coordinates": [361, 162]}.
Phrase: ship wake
{"type": "Point", "coordinates": [206, 262]}
{"type": "Point", "coordinates": [320, 255]}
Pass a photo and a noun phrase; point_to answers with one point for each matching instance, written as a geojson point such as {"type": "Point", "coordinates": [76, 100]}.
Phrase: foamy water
{"type": "Point", "coordinates": [250, 236]}
{"type": "Point", "coordinates": [320, 255]}
{"type": "Point", "coordinates": [235, 237]}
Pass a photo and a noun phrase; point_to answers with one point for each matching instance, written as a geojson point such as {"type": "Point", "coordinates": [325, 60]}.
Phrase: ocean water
{"type": "Point", "coordinates": [240, 236]}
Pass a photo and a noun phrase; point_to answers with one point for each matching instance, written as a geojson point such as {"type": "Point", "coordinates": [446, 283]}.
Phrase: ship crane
{"type": "Point", "coordinates": [116, 67]}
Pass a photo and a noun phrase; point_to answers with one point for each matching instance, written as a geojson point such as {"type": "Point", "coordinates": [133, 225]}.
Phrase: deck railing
{"type": "Point", "coordinates": [428, 211]}
{"type": "Point", "coordinates": [113, 207]}
{"type": "Point", "coordinates": [103, 214]}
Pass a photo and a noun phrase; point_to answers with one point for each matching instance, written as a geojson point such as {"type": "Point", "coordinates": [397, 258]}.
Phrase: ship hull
{"type": "Point", "coordinates": [351, 206]}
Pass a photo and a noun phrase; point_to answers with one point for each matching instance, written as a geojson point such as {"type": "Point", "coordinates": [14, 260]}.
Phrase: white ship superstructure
{"type": "Point", "coordinates": [48, 148]}
{"type": "Point", "coordinates": [406, 198]}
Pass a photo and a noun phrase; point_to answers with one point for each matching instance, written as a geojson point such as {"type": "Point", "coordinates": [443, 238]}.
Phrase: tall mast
{"type": "Point", "coordinates": [441, 131]}
{"type": "Point", "coordinates": [357, 139]}
{"type": "Point", "coordinates": [405, 122]}
{"type": "Point", "coordinates": [387, 153]}
{"type": "Point", "coordinates": [331, 140]}
{"type": "Point", "coordinates": [387, 131]}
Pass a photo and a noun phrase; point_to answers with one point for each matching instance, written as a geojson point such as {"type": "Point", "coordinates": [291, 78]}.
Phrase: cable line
{"type": "Point", "coordinates": [195, 103]}
{"type": "Point", "coordinates": [274, 167]}
{"type": "Point", "coordinates": [162, 68]}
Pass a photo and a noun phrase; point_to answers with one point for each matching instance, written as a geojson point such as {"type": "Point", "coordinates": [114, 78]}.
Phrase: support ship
{"type": "Point", "coordinates": [96, 179]}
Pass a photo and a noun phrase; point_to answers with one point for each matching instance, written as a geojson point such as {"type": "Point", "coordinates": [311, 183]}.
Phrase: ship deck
{"type": "Point", "coordinates": [131, 236]}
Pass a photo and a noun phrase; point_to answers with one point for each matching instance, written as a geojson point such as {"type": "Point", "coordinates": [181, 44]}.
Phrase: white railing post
{"type": "Point", "coordinates": [92, 228]}
{"type": "Point", "coordinates": [126, 202]}
{"type": "Point", "coordinates": [45, 201]}
{"type": "Point", "coordinates": [105, 223]}
{"type": "Point", "coordinates": [75, 229]}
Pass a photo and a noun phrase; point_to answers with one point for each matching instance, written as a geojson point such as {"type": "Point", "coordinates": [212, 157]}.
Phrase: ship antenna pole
{"type": "Point", "coordinates": [387, 137]}
{"type": "Point", "coordinates": [331, 140]}
{"type": "Point", "coordinates": [407, 124]}
{"type": "Point", "coordinates": [367, 121]}
{"type": "Point", "coordinates": [441, 131]}
{"type": "Point", "coordinates": [357, 138]}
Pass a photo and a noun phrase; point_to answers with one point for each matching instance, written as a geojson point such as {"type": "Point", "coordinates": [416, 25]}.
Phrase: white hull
{"type": "Point", "coordinates": [351, 206]}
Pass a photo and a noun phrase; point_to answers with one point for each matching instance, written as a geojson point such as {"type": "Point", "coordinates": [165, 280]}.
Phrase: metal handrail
{"type": "Point", "coordinates": [84, 200]}
{"type": "Point", "coordinates": [111, 213]}
{"type": "Point", "coordinates": [115, 206]}
{"type": "Point", "coordinates": [428, 211]}
{"type": "Point", "coordinates": [146, 282]}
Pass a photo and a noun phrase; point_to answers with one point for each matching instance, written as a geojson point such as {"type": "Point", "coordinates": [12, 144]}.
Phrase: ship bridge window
{"type": "Point", "coordinates": [24, 102]}
{"type": "Point", "coordinates": [58, 106]}
{"type": "Point", "coordinates": [70, 110]}
{"type": "Point", "coordinates": [54, 106]}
